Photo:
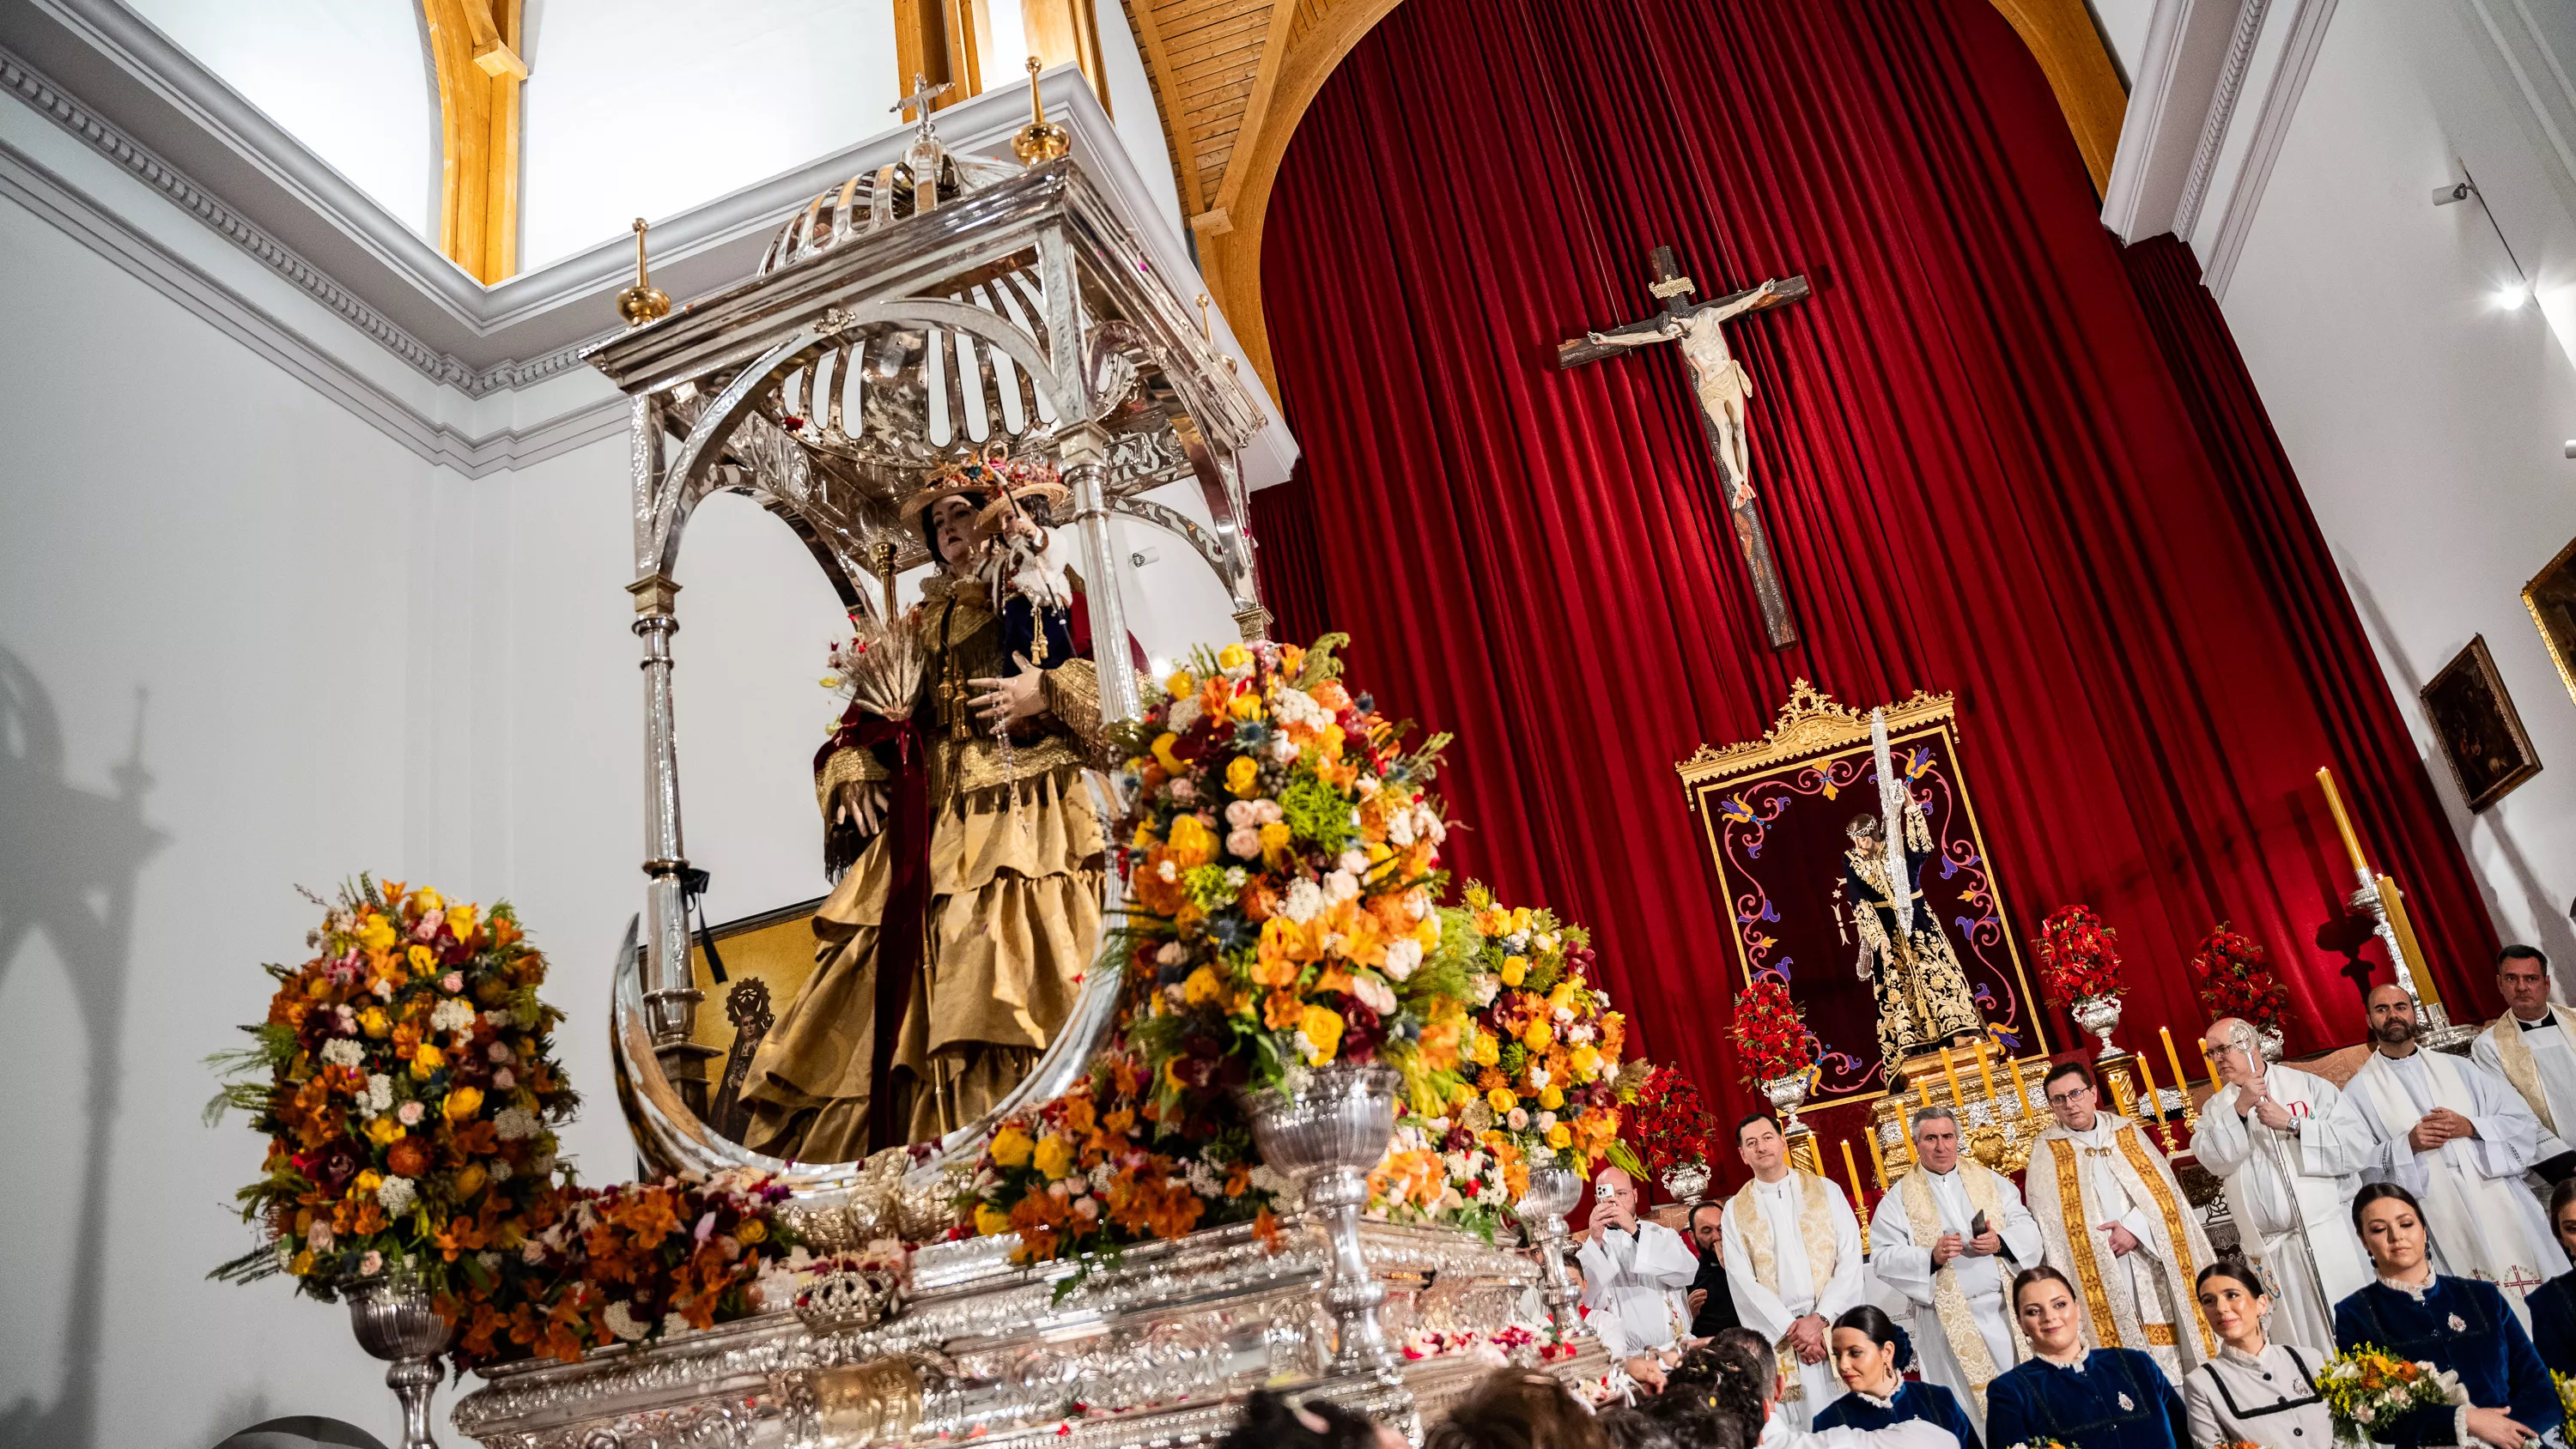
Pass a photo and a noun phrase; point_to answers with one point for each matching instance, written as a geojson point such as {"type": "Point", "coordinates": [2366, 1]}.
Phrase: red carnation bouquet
{"type": "Point", "coordinates": [2077, 958]}
{"type": "Point", "coordinates": [2235, 980]}
{"type": "Point", "coordinates": [1771, 1038]}
{"type": "Point", "coordinates": [1671, 1125]}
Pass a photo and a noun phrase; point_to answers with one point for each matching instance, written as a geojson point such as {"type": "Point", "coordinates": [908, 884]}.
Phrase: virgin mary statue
{"type": "Point", "coordinates": [1923, 998]}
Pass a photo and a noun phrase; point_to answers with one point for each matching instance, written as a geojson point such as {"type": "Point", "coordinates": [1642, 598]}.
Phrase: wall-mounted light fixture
{"type": "Point", "coordinates": [2512, 295]}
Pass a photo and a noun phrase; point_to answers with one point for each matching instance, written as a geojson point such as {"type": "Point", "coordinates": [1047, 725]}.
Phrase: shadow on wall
{"type": "Point", "coordinates": [302, 1433]}
{"type": "Point", "coordinates": [69, 858]}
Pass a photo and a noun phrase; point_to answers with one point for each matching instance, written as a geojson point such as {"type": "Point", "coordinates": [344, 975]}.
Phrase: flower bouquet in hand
{"type": "Point", "coordinates": [1771, 1036]}
{"type": "Point", "coordinates": [2368, 1389]}
{"type": "Point", "coordinates": [2235, 980]}
{"type": "Point", "coordinates": [2078, 960]}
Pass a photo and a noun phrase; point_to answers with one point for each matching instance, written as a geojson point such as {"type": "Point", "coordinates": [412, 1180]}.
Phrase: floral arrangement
{"type": "Point", "coordinates": [406, 1080]}
{"type": "Point", "coordinates": [1544, 1045]}
{"type": "Point", "coordinates": [1771, 1037]}
{"type": "Point", "coordinates": [2565, 1384]}
{"type": "Point", "coordinates": [622, 1265]}
{"type": "Point", "coordinates": [1673, 1127]}
{"type": "Point", "coordinates": [2235, 981]}
{"type": "Point", "coordinates": [1504, 1344]}
{"type": "Point", "coordinates": [2077, 958]}
{"type": "Point", "coordinates": [1436, 1171]}
{"type": "Point", "coordinates": [2368, 1389]}
{"type": "Point", "coordinates": [2040, 1444]}
{"type": "Point", "coordinates": [1282, 862]}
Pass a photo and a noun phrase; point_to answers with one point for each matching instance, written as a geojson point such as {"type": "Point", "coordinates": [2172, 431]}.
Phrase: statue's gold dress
{"type": "Point", "coordinates": [1924, 1001]}
{"type": "Point", "coordinates": [1015, 857]}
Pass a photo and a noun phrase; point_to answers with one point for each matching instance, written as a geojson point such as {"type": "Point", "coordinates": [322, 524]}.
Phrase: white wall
{"type": "Point", "coordinates": [2425, 423]}
{"type": "Point", "coordinates": [349, 78]}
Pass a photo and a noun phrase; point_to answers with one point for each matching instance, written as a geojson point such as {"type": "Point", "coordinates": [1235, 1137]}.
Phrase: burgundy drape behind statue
{"type": "Point", "coordinates": [1978, 470]}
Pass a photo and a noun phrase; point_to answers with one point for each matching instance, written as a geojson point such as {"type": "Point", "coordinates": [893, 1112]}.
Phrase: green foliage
{"type": "Point", "coordinates": [1317, 813]}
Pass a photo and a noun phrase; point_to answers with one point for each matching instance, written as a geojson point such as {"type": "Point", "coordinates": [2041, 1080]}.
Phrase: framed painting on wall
{"type": "Point", "coordinates": [2475, 725]}
{"type": "Point", "coordinates": [2551, 598]}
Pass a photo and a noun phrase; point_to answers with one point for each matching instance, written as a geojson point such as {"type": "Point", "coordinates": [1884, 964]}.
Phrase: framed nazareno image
{"type": "Point", "coordinates": [2475, 724]}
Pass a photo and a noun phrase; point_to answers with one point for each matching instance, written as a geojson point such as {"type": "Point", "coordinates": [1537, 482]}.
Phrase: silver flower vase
{"type": "Point", "coordinates": [1553, 1192]}
{"type": "Point", "coordinates": [2270, 1043]}
{"type": "Point", "coordinates": [2100, 1015]}
{"type": "Point", "coordinates": [1686, 1180]}
{"type": "Point", "coordinates": [392, 1316]}
{"type": "Point", "coordinates": [1325, 1134]}
{"type": "Point", "coordinates": [1787, 1094]}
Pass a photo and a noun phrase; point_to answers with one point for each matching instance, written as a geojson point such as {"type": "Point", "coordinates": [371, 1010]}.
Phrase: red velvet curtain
{"type": "Point", "coordinates": [1978, 469]}
{"type": "Point", "coordinates": [1288, 559]}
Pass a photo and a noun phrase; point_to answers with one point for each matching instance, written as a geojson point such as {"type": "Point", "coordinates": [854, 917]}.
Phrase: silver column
{"type": "Point", "coordinates": [1083, 458]}
{"type": "Point", "coordinates": [670, 996]}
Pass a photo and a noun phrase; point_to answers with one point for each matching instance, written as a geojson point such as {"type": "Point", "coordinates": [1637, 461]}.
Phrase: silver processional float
{"type": "Point", "coordinates": [935, 305]}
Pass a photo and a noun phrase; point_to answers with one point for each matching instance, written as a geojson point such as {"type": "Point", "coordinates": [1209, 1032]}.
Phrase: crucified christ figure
{"type": "Point", "coordinates": [1720, 380]}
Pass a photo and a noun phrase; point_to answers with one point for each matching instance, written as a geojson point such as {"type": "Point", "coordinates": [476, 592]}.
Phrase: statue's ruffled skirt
{"type": "Point", "coordinates": [1013, 920]}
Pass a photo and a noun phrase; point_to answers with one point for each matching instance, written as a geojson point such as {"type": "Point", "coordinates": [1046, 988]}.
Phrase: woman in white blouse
{"type": "Point", "coordinates": [2255, 1391]}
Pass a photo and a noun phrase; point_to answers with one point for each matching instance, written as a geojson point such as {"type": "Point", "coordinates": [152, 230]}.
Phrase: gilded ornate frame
{"type": "Point", "coordinates": [1812, 727]}
{"type": "Point", "coordinates": [2554, 589]}
{"type": "Point", "coordinates": [2475, 661]}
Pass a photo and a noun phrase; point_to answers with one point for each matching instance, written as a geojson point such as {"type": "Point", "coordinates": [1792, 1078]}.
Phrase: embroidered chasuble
{"type": "Point", "coordinates": [2112, 1398]}
{"type": "Point", "coordinates": [2081, 1182]}
{"type": "Point", "coordinates": [1793, 1248]}
{"type": "Point", "coordinates": [1962, 1326]}
{"type": "Point", "coordinates": [2484, 1223]}
{"type": "Point", "coordinates": [2539, 1059]}
{"type": "Point", "coordinates": [2290, 1191]}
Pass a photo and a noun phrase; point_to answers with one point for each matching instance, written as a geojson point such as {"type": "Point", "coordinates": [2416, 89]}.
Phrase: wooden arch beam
{"type": "Point", "coordinates": [474, 48]}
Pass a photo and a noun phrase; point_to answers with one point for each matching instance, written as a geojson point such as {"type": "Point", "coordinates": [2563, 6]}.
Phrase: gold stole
{"type": "Point", "coordinates": [1815, 1230]}
{"type": "Point", "coordinates": [2515, 1057]}
{"type": "Point", "coordinates": [2079, 1236]}
{"type": "Point", "coordinates": [1949, 1302]}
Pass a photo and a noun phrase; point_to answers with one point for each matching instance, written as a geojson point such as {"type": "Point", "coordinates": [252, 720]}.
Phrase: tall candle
{"type": "Point", "coordinates": [1986, 1079]}
{"type": "Point", "coordinates": [2208, 1061]}
{"type": "Point", "coordinates": [2182, 1079]}
{"type": "Point", "coordinates": [1859, 1198]}
{"type": "Point", "coordinates": [2343, 822]}
{"type": "Point", "coordinates": [1950, 1069]}
{"type": "Point", "coordinates": [1877, 1160]}
{"type": "Point", "coordinates": [2155, 1110]}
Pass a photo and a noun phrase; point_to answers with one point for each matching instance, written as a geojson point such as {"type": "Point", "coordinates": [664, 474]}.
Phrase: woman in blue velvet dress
{"type": "Point", "coordinates": [2553, 1304]}
{"type": "Point", "coordinates": [1871, 1354]}
{"type": "Point", "coordinates": [2091, 1398]}
{"type": "Point", "coordinates": [2459, 1324]}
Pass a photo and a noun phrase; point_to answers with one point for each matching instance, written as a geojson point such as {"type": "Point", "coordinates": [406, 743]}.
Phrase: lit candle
{"type": "Point", "coordinates": [1877, 1159]}
{"type": "Point", "coordinates": [2154, 1110]}
{"type": "Point", "coordinates": [2182, 1080]}
{"type": "Point", "coordinates": [2343, 822]}
{"type": "Point", "coordinates": [1852, 1168]}
{"type": "Point", "coordinates": [1986, 1079]}
{"type": "Point", "coordinates": [2208, 1061]}
{"type": "Point", "coordinates": [1950, 1069]}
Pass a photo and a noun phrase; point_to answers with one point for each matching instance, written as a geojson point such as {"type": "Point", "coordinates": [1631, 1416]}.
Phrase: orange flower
{"type": "Point", "coordinates": [1280, 1010]}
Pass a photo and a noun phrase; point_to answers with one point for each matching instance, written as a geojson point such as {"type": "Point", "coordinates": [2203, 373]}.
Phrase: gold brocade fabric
{"type": "Point", "coordinates": [1949, 1303]}
{"type": "Point", "coordinates": [1923, 996]}
{"type": "Point", "coordinates": [1815, 1234]}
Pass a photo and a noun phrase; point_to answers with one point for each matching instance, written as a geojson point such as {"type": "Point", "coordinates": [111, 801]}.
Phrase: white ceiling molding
{"type": "Point", "coordinates": [2189, 73]}
{"type": "Point", "coordinates": [2244, 194]}
{"type": "Point", "coordinates": [2528, 67]}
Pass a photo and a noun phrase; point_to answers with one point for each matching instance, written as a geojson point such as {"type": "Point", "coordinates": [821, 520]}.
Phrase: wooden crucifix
{"type": "Point", "coordinates": [1722, 385]}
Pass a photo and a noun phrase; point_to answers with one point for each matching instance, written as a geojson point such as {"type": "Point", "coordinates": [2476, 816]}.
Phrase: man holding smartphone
{"type": "Point", "coordinates": [1635, 1271]}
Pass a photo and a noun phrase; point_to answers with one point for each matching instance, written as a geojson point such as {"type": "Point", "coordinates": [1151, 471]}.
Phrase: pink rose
{"type": "Point", "coordinates": [1242, 813]}
{"type": "Point", "coordinates": [452, 982]}
{"type": "Point", "coordinates": [1245, 842]}
{"type": "Point", "coordinates": [1183, 792]}
{"type": "Point", "coordinates": [372, 1264]}
{"type": "Point", "coordinates": [503, 1081]}
{"type": "Point", "coordinates": [408, 1114]}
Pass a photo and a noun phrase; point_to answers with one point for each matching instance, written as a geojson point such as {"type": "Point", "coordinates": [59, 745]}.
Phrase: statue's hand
{"type": "Point", "coordinates": [863, 806]}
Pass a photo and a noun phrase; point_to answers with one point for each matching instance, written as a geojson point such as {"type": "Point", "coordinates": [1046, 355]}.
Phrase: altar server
{"type": "Point", "coordinates": [1793, 1262]}
{"type": "Point", "coordinates": [2094, 1398]}
{"type": "Point", "coordinates": [2452, 1323]}
{"type": "Point", "coordinates": [1872, 1354]}
{"type": "Point", "coordinates": [1634, 1272]}
{"type": "Point", "coordinates": [2291, 1155]}
{"type": "Point", "coordinates": [1945, 1236]}
{"type": "Point", "coordinates": [2114, 1220]}
{"type": "Point", "coordinates": [2458, 1139]}
{"type": "Point", "coordinates": [2256, 1391]}
{"type": "Point", "coordinates": [2533, 1046]}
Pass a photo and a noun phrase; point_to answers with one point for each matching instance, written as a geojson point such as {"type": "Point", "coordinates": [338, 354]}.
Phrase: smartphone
{"type": "Point", "coordinates": [1977, 1224]}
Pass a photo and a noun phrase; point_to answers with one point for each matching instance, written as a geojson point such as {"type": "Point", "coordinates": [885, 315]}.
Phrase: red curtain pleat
{"type": "Point", "coordinates": [1979, 472]}
{"type": "Point", "coordinates": [1288, 560]}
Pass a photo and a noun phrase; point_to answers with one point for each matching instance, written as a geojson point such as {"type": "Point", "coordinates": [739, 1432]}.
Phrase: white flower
{"type": "Point", "coordinates": [1538, 1079]}
{"type": "Point", "coordinates": [1101, 1175]}
{"type": "Point", "coordinates": [1282, 748]}
{"type": "Point", "coordinates": [1373, 992]}
{"type": "Point", "coordinates": [1297, 707]}
{"type": "Point", "coordinates": [1417, 903]}
{"type": "Point", "coordinates": [1403, 957]}
{"type": "Point", "coordinates": [396, 1196]}
{"type": "Point", "coordinates": [1169, 872]}
{"type": "Point", "coordinates": [1580, 1032]}
{"type": "Point", "coordinates": [408, 1114]}
{"type": "Point", "coordinates": [1563, 1013]}
{"type": "Point", "coordinates": [1171, 954]}
{"type": "Point", "coordinates": [1185, 713]}
{"type": "Point", "coordinates": [622, 1322]}
{"type": "Point", "coordinates": [1601, 1001]}
{"type": "Point", "coordinates": [1268, 812]}
{"type": "Point", "coordinates": [500, 1170]}
{"type": "Point", "coordinates": [496, 1018]}
{"type": "Point", "coordinates": [454, 1013]}
{"type": "Point", "coordinates": [1244, 841]}
{"type": "Point", "coordinates": [543, 1165]}
{"type": "Point", "coordinates": [1399, 830]}
{"type": "Point", "coordinates": [1482, 989]}
{"type": "Point", "coordinates": [341, 1051]}
{"type": "Point", "coordinates": [1265, 1179]}
{"type": "Point", "coordinates": [1305, 898]}
{"type": "Point", "coordinates": [1354, 860]}
{"type": "Point", "coordinates": [1203, 1179]}
{"type": "Point", "coordinates": [384, 988]}
{"type": "Point", "coordinates": [1546, 1120]}
{"type": "Point", "coordinates": [1341, 885]}
{"type": "Point", "coordinates": [1240, 671]}
{"type": "Point", "coordinates": [511, 1124]}
{"type": "Point", "coordinates": [1368, 786]}
{"type": "Point", "coordinates": [1517, 943]}
{"type": "Point", "coordinates": [1235, 877]}
{"type": "Point", "coordinates": [380, 1094]}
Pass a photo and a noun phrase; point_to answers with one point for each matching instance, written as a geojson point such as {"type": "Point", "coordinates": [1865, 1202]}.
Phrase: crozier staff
{"type": "Point", "coordinates": [2095, 1398]}
{"type": "Point", "coordinates": [2255, 1391]}
{"type": "Point", "coordinates": [2451, 1323]}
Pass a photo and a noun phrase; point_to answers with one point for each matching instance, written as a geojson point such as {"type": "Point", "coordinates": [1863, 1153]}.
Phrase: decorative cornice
{"type": "Point", "coordinates": [2222, 112]}
{"type": "Point", "coordinates": [56, 105]}
{"type": "Point", "coordinates": [1810, 721]}
{"type": "Point", "coordinates": [2271, 130]}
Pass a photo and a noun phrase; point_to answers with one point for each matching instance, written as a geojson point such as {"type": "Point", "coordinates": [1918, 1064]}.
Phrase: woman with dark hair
{"type": "Point", "coordinates": [2459, 1324]}
{"type": "Point", "coordinates": [1734, 1380]}
{"type": "Point", "coordinates": [1517, 1409]}
{"type": "Point", "coordinates": [1274, 1421]}
{"type": "Point", "coordinates": [1871, 1354]}
{"type": "Point", "coordinates": [2255, 1391]}
{"type": "Point", "coordinates": [2097, 1398]}
{"type": "Point", "coordinates": [2553, 1304]}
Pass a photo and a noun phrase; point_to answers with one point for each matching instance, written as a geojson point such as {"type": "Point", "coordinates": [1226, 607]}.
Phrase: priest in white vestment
{"type": "Point", "coordinates": [2291, 1155]}
{"type": "Point", "coordinates": [1793, 1266]}
{"type": "Point", "coordinates": [2533, 1045]}
{"type": "Point", "coordinates": [2458, 1137]}
{"type": "Point", "coordinates": [1924, 1243]}
{"type": "Point", "coordinates": [1636, 1274]}
{"type": "Point", "coordinates": [2115, 1222]}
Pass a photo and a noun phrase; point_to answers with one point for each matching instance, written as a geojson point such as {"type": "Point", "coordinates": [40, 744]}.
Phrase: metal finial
{"type": "Point", "coordinates": [1041, 140]}
{"type": "Point", "coordinates": [642, 302]}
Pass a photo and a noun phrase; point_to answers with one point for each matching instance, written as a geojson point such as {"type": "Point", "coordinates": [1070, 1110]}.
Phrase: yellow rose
{"type": "Point", "coordinates": [1201, 987]}
{"type": "Point", "coordinates": [1192, 844]}
{"type": "Point", "coordinates": [1323, 1028]}
{"type": "Point", "coordinates": [1488, 1050]}
{"type": "Point", "coordinates": [1180, 685]}
{"type": "Point", "coordinates": [470, 1180]}
{"type": "Point", "coordinates": [1538, 1038]}
{"type": "Point", "coordinates": [1163, 753]}
{"type": "Point", "coordinates": [1514, 968]}
{"type": "Point", "coordinates": [1011, 1147]}
{"type": "Point", "coordinates": [1054, 1155]}
{"type": "Point", "coordinates": [990, 1221]}
{"type": "Point", "coordinates": [1426, 932]}
{"type": "Point", "coordinates": [1501, 1099]}
{"type": "Point", "coordinates": [750, 1232]}
{"type": "Point", "coordinates": [1551, 1097]}
{"type": "Point", "coordinates": [374, 1022]}
{"type": "Point", "coordinates": [1520, 920]}
{"type": "Point", "coordinates": [463, 1103]}
{"type": "Point", "coordinates": [303, 1264]}
{"type": "Point", "coordinates": [1276, 835]}
{"type": "Point", "coordinates": [420, 959]}
{"type": "Point", "coordinates": [460, 919]}
{"type": "Point", "coordinates": [1586, 1062]}
{"type": "Point", "coordinates": [430, 900]}
{"type": "Point", "coordinates": [425, 1059]}
{"type": "Point", "coordinates": [376, 933]}
{"type": "Point", "coordinates": [1233, 656]}
{"type": "Point", "coordinates": [1243, 776]}
{"type": "Point", "coordinates": [1560, 1137]}
{"type": "Point", "coordinates": [366, 1183]}
{"type": "Point", "coordinates": [383, 1130]}
{"type": "Point", "coordinates": [1245, 706]}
